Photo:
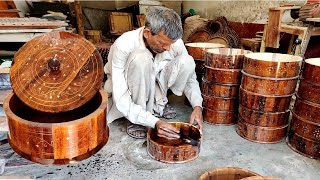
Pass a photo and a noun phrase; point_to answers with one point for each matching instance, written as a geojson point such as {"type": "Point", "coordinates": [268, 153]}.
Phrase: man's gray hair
{"type": "Point", "coordinates": [163, 19]}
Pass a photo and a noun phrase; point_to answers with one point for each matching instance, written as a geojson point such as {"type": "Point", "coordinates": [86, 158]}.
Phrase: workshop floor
{"type": "Point", "coordinates": [126, 158]}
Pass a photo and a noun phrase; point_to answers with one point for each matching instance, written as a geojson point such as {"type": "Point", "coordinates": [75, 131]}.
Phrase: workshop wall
{"type": "Point", "coordinates": [249, 11]}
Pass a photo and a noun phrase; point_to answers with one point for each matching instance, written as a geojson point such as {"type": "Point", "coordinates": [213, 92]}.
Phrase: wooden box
{"type": "Point", "coordinates": [120, 22]}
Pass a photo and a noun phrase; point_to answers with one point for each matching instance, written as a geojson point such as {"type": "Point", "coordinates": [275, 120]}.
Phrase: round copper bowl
{"type": "Point", "coordinates": [265, 119]}
{"type": "Point", "coordinates": [225, 58]}
{"type": "Point", "coordinates": [307, 110]}
{"type": "Point", "coordinates": [304, 146]}
{"type": "Point", "coordinates": [223, 76]}
{"type": "Point", "coordinates": [227, 173]}
{"type": "Point", "coordinates": [220, 104]}
{"type": "Point", "coordinates": [219, 90]}
{"type": "Point", "coordinates": [197, 50]}
{"type": "Point", "coordinates": [305, 128]}
{"type": "Point", "coordinates": [311, 70]}
{"type": "Point", "coordinates": [57, 138]}
{"type": "Point", "coordinates": [174, 151]}
{"type": "Point", "coordinates": [268, 86]}
{"type": "Point", "coordinates": [309, 92]}
{"type": "Point", "coordinates": [264, 103]}
{"type": "Point", "coordinates": [261, 134]}
{"type": "Point", "coordinates": [219, 117]}
{"type": "Point", "coordinates": [272, 65]}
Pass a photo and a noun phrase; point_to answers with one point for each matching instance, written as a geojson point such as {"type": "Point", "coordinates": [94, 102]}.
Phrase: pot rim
{"type": "Point", "coordinates": [230, 51]}
{"type": "Point", "coordinates": [204, 45]}
{"type": "Point", "coordinates": [273, 57]}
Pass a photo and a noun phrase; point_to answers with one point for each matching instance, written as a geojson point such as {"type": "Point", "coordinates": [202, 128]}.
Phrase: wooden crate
{"type": "Point", "coordinates": [120, 22]}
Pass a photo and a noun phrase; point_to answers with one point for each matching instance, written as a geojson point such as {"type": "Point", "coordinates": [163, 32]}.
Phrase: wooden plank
{"type": "Point", "coordinates": [27, 23]}
{"type": "Point", "coordinates": [7, 53]}
{"type": "Point", "coordinates": [296, 30]}
{"type": "Point", "coordinates": [263, 42]}
{"type": "Point", "coordinates": [79, 18]}
{"type": "Point", "coordinates": [31, 30]}
{"type": "Point", "coordinates": [273, 28]}
{"type": "Point", "coordinates": [285, 8]}
{"type": "Point", "coordinates": [23, 36]}
{"type": "Point", "coordinates": [313, 19]}
{"type": "Point", "coordinates": [18, 37]}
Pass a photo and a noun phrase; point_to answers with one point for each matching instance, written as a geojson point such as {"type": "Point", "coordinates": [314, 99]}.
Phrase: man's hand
{"type": "Point", "coordinates": [167, 130]}
{"type": "Point", "coordinates": [197, 116]}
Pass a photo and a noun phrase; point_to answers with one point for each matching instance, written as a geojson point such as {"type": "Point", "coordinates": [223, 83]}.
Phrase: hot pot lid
{"type": "Point", "coordinates": [56, 72]}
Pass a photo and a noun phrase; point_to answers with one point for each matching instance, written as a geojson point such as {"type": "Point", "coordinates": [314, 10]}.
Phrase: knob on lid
{"type": "Point", "coordinates": [56, 72]}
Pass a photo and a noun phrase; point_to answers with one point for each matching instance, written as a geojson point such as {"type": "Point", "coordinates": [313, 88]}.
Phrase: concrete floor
{"type": "Point", "coordinates": [126, 158]}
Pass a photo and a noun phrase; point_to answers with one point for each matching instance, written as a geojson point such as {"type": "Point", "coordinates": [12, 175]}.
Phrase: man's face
{"type": "Point", "coordinates": [157, 43]}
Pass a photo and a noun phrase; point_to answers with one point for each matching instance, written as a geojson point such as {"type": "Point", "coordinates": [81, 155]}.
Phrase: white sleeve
{"type": "Point", "coordinates": [121, 94]}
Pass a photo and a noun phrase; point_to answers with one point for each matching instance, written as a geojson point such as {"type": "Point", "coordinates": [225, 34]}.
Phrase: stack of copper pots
{"type": "Point", "coordinates": [220, 85]}
{"type": "Point", "coordinates": [304, 134]}
{"type": "Point", "coordinates": [197, 51]}
{"type": "Point", "coordinates": [268, 83]}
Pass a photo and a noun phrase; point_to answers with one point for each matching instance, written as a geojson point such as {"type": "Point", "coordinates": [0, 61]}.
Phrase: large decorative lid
{"type": "Point", "coordinates": [56, 72]}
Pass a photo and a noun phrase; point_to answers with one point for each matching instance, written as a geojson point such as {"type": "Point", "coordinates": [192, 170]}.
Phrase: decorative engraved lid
{"type": "Point", "coordinates": [56, 72]}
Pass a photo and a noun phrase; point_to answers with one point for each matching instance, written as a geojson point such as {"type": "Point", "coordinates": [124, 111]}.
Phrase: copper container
{"type": "Point", "coordinates": [219, 117]}
{"type": "Point", "coordinates": [197, 50]}
{"type": "Point", "coordinates": [272, 65]}
{"type": "Point", "coordinates": [265, 119]}
{"type": "Point", "coordinates": [223, 76]}
{"type": "Point", "coordinates": [219, 90]}
{"type": "Point", "coordinates": [304, 146]}
{"type": "Point", "coordinates": [261, 134]}
{"type": "Point", "coordinates": [307, 110]}
{"type": "Point", "coordinates": [305, 128]}
{"type": "Point", "coordinates": [311, 70]}
{"type": "Point", "coordinates": [60, 138]}
{"type": "Point", "coordinates": [176, 150]}
{"type": "Point", "coordinates": [220, 104]}
{"type": "Point", "coordinates": [227, 173]}
{"type": "Point", "coordinates": [309, 92]}
{"type": "Point", "coordinates": [57, 113]}
{"type": "Point", "coordinates": [268, 86]}
{"type": "Point", "coordinates": [264, 103]}
{"type": "Point", "coordinates": [225, 58]}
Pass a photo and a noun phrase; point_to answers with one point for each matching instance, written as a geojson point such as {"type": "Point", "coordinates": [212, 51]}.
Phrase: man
{"type": "Point", "coordinates": [142, 65]}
